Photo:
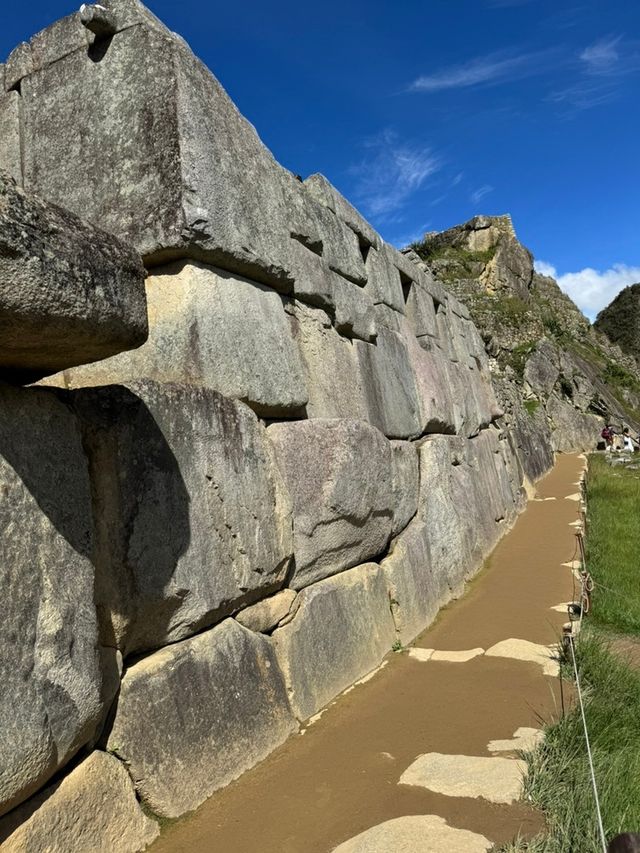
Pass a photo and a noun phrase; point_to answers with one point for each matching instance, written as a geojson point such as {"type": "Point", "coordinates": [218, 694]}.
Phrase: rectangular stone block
{"type": "Point", "coordinates": [405, 483]}
{"type": "Point", "coordinates": [420, 312]}
{"type": "Point", "coordinates": [341, 631]}
{"type": "Point", "coordinates": [383, 279]}
{"type": "Point", "coordinates": [69, 293]}
{"type": "Point", "coordinates": [193, 717]}
{"type": "Point", "coordinates": [51, 700]}
{"type": "Point", "coordinates": [338, 473]}
{"type": "Point", "coordinates": [325, 193]}
{"type": "Point", "coordinates": [133, 149]}
{"type": "Point", "coordinates": [389, 385]}
{"type": "Point", "coordinates": [193, 519]}
{"type": "Point", "coordinates": [416, 589]}
{"type": "Point", "coordinates": [94, 808]}
{"type": "Point", "coordinates": [330, 363]}
{"type": "Point", "coordinates": [213, 330]}
{"type": "Point", "coordinates": [10, 156]}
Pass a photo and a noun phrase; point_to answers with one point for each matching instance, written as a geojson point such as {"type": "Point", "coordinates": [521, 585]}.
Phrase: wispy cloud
{"type": "Point", "coordinates": [391, 171]}
{"type": "Point", "coordinates": [592, 289]}
{"type": "Point", "coordinates": [480, 193]}
{"type": "Point", "coordinates": [603, 66]}
{"type": "Point", "coordinates": [457, 179]}
{"type": "Point", "coordinates": [602, 56]}
{"type": "Point", "coordinates": [484, 70]}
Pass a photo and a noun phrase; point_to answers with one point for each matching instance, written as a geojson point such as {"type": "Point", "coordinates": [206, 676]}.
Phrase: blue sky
{"type": "Point", "coordinates": [426, 113]}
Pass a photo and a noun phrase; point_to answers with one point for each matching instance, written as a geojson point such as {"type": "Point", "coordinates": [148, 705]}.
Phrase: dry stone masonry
{"type": "Point", "coordinates": [209, 533]}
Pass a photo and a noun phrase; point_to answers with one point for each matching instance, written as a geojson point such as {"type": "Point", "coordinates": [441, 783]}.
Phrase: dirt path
{"type": "Point", "coordinates": [340, 776]}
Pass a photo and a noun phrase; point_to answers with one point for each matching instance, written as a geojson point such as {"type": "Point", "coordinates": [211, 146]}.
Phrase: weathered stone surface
{"type": "Point", "coordinates": [19, 63]}
{"type": "Point", "coordinates": [338, 473]}
{"type": "Point", "coordinates": [70, 293]}
{"type": "Point", "coordinates": [462, 480]}
{"type": "Point", "coordinates": [354, 314]}
{"type": "Point", "coordinates": [389, 385]}
{"type": "Point", "coordinates": [216, 330]}
{"type": "Point", "coordinates": [161, 124]}
{"type": "Point", "coordinates": [98, 20]}
{"type": "Point", "coordinates": [331, 368]}
{"type": "Point", "coordinates": [405, 483]}
{"type": "Point", "coordinates": [571, 429]}
{"type": "Point", "coordinates": [541, 369]}
{"type": "Point", "coordinates": [325, 193]}
{"type": "Point", "coordinates": [416, 589]}
{"type": "Point", "coordinates": [266, 614]}
{"type": "Point", "coordinates": [383, 278]}
{"type": "Point", "coordinates": [439, 410]}
{"type": "Point", "coordinates": [93, 808]}
{"type": "Point", "coordinates": [341, 631]}
{"type": "Point", "coordinates": [498, 780]}
{"type": "Point", "coordinates": [421, 312]}
{"type": "Point", "coordinates": [63, 37]}
{"type": "Point", "coordinates": [192, 717]}
{"type": "Point", "coordinates": [415, 834]}
{"type": "Point", "coordinates": [340, 246]}
{"type": "Point", "coordinates": [193, 518]}
{"type": "Point", "coordinates": [10, 157]}
{"type": "Point", "coordinates": [51, 697]}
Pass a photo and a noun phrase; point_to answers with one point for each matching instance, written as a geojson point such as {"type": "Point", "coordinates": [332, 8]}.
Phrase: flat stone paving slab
{"type": "Point", "coordinates": [526, 651]}
{"type": "Point", "coordinates": [415, 834]}
{"type": "Point", "coordinates": [499, 780]}
{"type": "Point", "coordinates": [524, 739]}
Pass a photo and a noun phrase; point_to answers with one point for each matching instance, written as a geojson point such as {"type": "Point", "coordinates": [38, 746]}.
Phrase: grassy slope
{"type": "Point", "coordinates": [559, 781]}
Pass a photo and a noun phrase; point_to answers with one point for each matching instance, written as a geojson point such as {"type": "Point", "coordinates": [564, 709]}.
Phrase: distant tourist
{"type": "Point", "coordinates": [607, 434]}
{"type": "Point", "coordinates": [627, 441]}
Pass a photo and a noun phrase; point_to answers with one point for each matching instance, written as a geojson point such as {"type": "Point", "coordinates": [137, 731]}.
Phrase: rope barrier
{"type": "Point", "coordinates": [603, 838]}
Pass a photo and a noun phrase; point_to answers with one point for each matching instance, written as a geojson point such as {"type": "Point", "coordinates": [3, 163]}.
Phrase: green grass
{"type": "Point", "coordinates": [531, 406]}
{"type": "Point", "coordinates": [558, 781]}
{"type": "Point", "coordinates": [613, 543]}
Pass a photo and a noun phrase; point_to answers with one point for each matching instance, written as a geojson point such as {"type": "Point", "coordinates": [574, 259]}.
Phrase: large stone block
{"type": "Point", "coordinates": [212, 329]}
{"type": "Point", "coordinates": [341, 631]}
{"type": "Point", "coordinates": [383, 278]}
{"type": "Point", "coordinates": [94, 808]}
{"type": "Point", "coordinates": [339, 475]}
{"type": "Point", "coordinates": [193, 717]}
{"type": "Point", "coordinates": [331, 366]}
{"type": "Point", "coordinates": [51, 698]}
{"type": "Point", "coordinates": [405, 483]}
{"type": "Point", "coordinates": [157, 153]}
{"type": "Point", "coordinates": [10, 156]}
{"type": "Point", "coordinates": [416, 589]}
{"type": "Point", "coordinates": [69, 293]}
{"type": "Point", "coordinates": [193, 520]}
{"type": "Point", "coordinates": [389, 385]}
{"type": "Point", "coordinates": [325, 193]}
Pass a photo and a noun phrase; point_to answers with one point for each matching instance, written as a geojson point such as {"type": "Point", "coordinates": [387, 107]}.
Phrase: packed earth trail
{"type": "Point", "coordinates": [432, 736]}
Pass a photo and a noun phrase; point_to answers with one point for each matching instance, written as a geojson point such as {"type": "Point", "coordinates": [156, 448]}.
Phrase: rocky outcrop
{"type": "Point", "coordinates": [555, 376]}
{"type": "Point", "coordinates": [69, 293]}
{"type": "Point", "coordinates": [620, 321]}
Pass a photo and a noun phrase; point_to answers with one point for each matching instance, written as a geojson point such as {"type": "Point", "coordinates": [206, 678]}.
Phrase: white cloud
{"type": "Point", "coordinates": [480, 193]}
{"type": "Point", "coordinates": [601, 56]}
{"type": "Point", "coordinates": [545, 269]}
{"type": "Point", "coordinates": [391, 172]}
{"type": "Point", "coordinates": [591, 289]}
{"type": "Point", "coordinates": [491, 68]}
{"type": "Point", "coordinates": [457, 179]}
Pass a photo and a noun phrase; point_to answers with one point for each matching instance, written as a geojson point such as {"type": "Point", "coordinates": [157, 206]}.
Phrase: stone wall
{"type": "Point", "coordinates": [232, 523]}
